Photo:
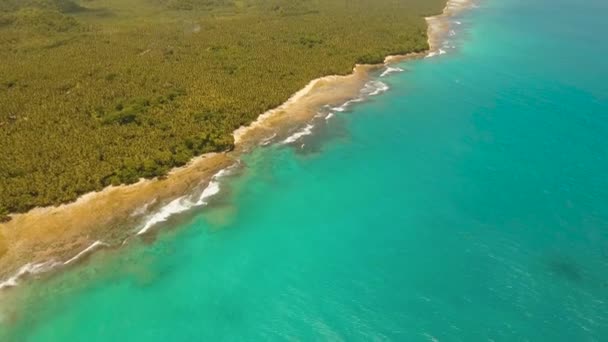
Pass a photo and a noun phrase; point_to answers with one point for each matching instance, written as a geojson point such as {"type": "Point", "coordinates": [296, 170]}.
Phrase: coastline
{"type": "Point", "coordinates": [49, 238]}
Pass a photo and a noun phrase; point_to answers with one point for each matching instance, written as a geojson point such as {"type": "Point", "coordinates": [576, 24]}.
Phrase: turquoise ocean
{"type": "Point", "coordinates": [469, 202]}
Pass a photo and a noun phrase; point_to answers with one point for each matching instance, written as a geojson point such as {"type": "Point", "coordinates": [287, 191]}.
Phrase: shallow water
{"type": "Point", "coordinates": [469, 202]}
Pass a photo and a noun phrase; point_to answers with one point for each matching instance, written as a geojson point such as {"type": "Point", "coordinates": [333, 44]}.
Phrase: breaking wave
{"type": "Point", "coordinates": [341, 108]}
{"type": "Point", "coordinates": [299, 134]}
{"type": "Point", "coordinates": [94, 246]}
{"type": "Point", "coordinates": [390, 70]}
{"type": "Point", "coordinates": [182, 204]}
{"type": "Point", "coordinates": [28, 270]}
{"type": "Point", "coordinates": [32, 269]}
{"type": "Point", "coordinates": [436, 53]}
{"type": "Point", "coordinates": [176, 206]}
{"type": "Point", "coordinates": [373, 88]}
{"type": "Point", "coordinates": [268, 140]}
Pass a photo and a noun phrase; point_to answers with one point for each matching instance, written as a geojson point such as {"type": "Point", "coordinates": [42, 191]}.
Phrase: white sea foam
{"type": "Point", "coordinates": [176, 206]}
{"type": "Point", "coordinates": [341, 108]}
{"type": "Point", "coordinates": [268, 140]}
{"type": "Point", "coordinates": [211, 190]}
{"type": "Point", "coordinates": [181, 204]}
{"type": "Point", "coordinates": [390, 70]}
{"type": "Point", "coordinates": [436, 53]}
{"type": "Point", "coordinates": [95, 245]}
{"type": "Point", "coordinates": [299, 134]}
{"type": "Point", "coordinates": [240, 132]}
{"type": "Point", "coordinates": [373, 88]}
{"type": "Point", "coordinates": [29, 269]}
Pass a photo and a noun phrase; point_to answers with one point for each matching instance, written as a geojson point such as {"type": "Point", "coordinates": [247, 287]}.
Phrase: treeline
{"type": "Point", "coordinates": [138, 92]}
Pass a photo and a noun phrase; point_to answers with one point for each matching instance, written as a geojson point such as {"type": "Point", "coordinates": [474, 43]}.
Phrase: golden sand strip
{"type": "Point", "coordinates": [44, 237]}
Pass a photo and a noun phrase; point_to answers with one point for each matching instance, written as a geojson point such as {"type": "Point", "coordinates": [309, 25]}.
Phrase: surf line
{"type": "Point", "coordinates": [371, 88]}
{"type": "Point", "coordinates": [184, 203]}
{"type": "Point", "coordinates": [32, 269]}
{"type": "Point", "coordinates": [434, 28]}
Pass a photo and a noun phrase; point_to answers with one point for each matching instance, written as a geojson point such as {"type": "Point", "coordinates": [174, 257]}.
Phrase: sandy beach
{"type": "Point", "coordinates": [50, 238]}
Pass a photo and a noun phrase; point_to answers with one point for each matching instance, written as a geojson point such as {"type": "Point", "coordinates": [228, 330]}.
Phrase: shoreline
{"type": "Point", "coordinates": [52, 238]}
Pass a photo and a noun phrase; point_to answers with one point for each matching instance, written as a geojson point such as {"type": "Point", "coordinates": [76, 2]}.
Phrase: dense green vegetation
{"type": "Point", "coordinates": [100, 92]}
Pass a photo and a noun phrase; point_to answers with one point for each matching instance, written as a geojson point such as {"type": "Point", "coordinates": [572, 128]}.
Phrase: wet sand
{"type": "Point", "coordinates": [44, 238]}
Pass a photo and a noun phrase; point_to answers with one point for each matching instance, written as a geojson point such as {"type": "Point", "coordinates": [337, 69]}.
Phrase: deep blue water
{"type": "Point", "coordinates": [468, 203]}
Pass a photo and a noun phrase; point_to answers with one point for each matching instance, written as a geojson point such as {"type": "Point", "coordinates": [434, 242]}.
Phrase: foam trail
{"type": "Point", "coordinates": [47, 266]}
{"type": "Point", "coordinates": [390, 70]}
{"type": "Point", "coordinates": [176, 206]}
{"type": "Point", "coordinates": [211, 190]}
{"type": "Point", "coordinates": [268, 140]}
{"type": "Point", "coordinates": [29, 269]}
{"type": "Point", "coordinates": [95, 245]}
{"type": "Point", "coordinates": [329, 116]}
{"type": "Point", "coordinates": [341, 108]}
{"type": "Point", "coordinates": [373, 88]}
{"type": "Point", "coordinates": [181, 204]}
{"type": "Point", "coordinates": [299, 134]}
{"type": "Point", "coordinates": [436, 53]}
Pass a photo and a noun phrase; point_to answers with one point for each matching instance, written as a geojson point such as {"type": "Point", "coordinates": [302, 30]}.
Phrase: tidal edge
{"type": "Point", "coordinates": [53, 238]}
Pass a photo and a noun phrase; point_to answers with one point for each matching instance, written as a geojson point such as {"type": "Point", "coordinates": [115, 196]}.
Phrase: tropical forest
{"type": "Point", "coordinates": [96, 93]}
